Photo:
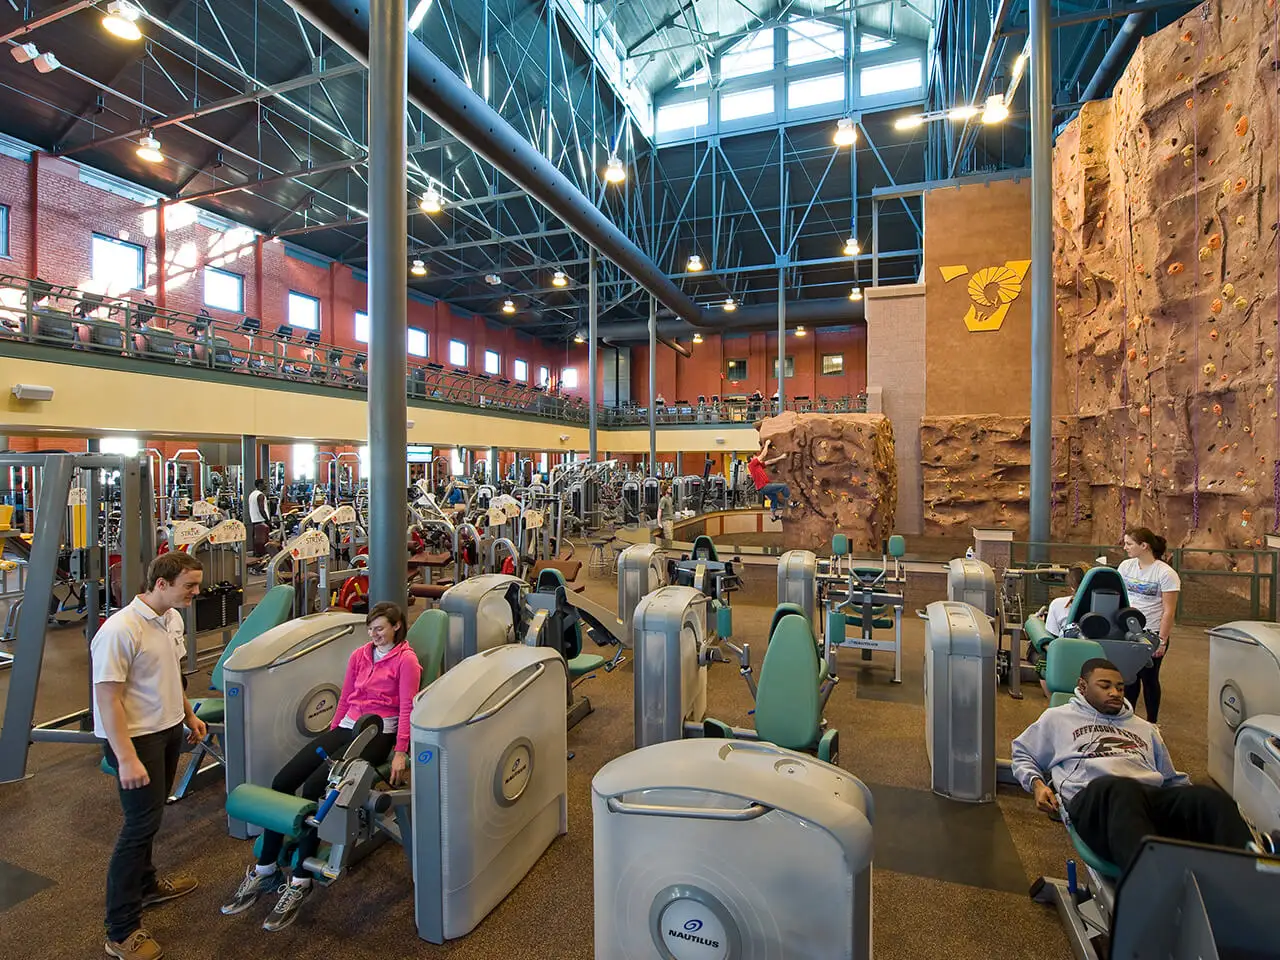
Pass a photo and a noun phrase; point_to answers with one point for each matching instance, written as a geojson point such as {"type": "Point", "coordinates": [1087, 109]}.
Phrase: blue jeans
{"type": "Point", "coordinates": [779, 494]}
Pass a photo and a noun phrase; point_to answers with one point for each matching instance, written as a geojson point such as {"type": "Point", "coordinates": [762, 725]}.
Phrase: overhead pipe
{"type": "Point", "coordinates": [1117, 55]}
{"type": "Point", "coordinates": [813, 313]}
{"type": "Point", "coordinates": [442, 95]}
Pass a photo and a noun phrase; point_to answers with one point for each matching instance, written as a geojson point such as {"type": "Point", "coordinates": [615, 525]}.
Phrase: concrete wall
{"type": "Point", "coordinates": [896, 375]}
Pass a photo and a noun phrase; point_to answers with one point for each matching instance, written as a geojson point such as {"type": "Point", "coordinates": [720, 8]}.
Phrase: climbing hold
{"type": "Point", "coordinates": [1241, 303]}
{"type": "Point", "coordinates": [1216, 305]}
{"type": "Point", "coordinates": [1228, 290]}
{"type": "Point", "coordinates": [1210, 369]}
{"type": "Point", "coordinates": [1213, 334]}
{"type": "Point", "coordinates": [1215, 241]}
{"type": "Point", "coordinates": [1241, 184]}
{"type": "Point", "coordinates": [1187, 37]}
{"type": "Point", "coordinates": [1176, 268]}
{"type": "Point", "coordinates": [1144, 410]}
{"type": "Point", "coordinates": [1191, 103]}
{"type": "Point", "coordinates": [1133, 354]}
{"type": "Point", "coordinates": [1205, 253]}
{"type": "Point", "coordinates": [1242, 126]}
{"type": "Point", "coordinates": [1217, 409]}
{"type": "Point", "coordinates": [1268, 353]}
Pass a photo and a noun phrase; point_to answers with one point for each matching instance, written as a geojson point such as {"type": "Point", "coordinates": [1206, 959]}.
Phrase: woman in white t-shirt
{"type": "Point", "coordinates": [1153, 588]}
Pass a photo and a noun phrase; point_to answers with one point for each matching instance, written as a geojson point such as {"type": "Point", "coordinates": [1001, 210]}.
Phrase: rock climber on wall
{"type": "Point", "coordinates": [779, 494]}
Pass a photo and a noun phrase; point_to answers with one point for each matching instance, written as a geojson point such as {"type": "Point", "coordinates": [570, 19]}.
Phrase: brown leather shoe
{"type": "Point", "coordinates": [137, 946]}
{"type": "Point", "coordinates": [169, 888]}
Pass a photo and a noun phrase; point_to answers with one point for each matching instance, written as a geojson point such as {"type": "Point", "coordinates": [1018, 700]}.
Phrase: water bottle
{"type": "Point", "coordinates": [968, 554]}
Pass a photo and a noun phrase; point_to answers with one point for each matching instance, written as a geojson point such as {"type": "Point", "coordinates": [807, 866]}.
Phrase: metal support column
{"type": "Point", "coordinates": [593, 307]}
{"type": "Point", "coordinates": [653, 386]}
{"type": "Point", "coordinates": [248, 477]}
{"type": "Point", "coordinates": [782, 339]}
{"type": "Point", "coordinates": [1041, 273]}
{"type": "Point", "coordinates": [388, 306]}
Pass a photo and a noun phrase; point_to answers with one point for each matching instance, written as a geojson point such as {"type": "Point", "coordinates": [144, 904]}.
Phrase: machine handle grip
{"type": "Point", "coordinates": [1272, 746]}
{"type": "Point", "coordinates": [752, 812]}
{"type": "Point", "coordinates": [330, 799]}
{"type": "Point", "coordinates": [534, 674]}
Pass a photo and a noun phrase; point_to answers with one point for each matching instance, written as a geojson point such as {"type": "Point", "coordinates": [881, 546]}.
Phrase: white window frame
{"type": "Point", "coordinates": [494, 369]}
{"type": "Point", "coordinates": [520, 371]}
{"type": "Point", "coordinates": [814, 41]}
{"type": "Point", "coordinates": [410, 347]}
{"type": "Point", "coordinates": [108, 274]}
{"type": "Point", "coordinates": [298, 301]}
{"type": "Point", "coordinates": [569, 378]}
{"type": "Point", "coordinates": [747, 52]}
{"type": "Point", "coordinates": [822, 369]}
{"type": "Point", "coordinates": [303, 461]}
{"type": "Point", "coordinates": [361, 321]}
{"type": "Point", "coordinates": [828, 88]}
{"type": "Point", "coordinates": [544, 376]}
{"type": "Point", "coordinates": [462, 346]}
{"type": "Point", "coordinates": [888, 70]}
{"type": "Point", "coordinates": [701, 107]}
{"type": "Point", "coordinates": [239, 288]}
{"type": "Point", "coordinates": [742, 104]}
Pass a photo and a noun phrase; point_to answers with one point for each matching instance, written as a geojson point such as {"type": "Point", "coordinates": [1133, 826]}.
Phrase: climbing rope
{"type": "Point", "coordinates": [1194, 102]}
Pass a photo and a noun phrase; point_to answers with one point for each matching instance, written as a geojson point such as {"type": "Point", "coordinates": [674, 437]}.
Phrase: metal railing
{"type": "Point", "coordinates": [53, 315]}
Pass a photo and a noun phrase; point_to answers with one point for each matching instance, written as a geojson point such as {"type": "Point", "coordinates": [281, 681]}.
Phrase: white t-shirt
{"type": "Point", "coordinates": [1145, 587]}
{"type": "Point", "coordinates": [143, 650]}
{"type": "Point", "coordinates": [1055, 621]}
{"type": "Point", "coordinates": [258, 507]}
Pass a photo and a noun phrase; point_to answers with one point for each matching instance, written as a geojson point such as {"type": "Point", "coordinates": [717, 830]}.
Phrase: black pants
{"type": "Point", "coordinates": [131, 874]}
{"type": "Point", "coordinates": [306, 774]}
{"type": "Point", "coordinates": [1113, 814]}
{"type": "Point", "coordinates": [1147, 681]}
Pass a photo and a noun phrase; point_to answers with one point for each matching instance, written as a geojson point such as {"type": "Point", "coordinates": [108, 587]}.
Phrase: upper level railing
{"type": "Point", "coordinates": [39, 312]}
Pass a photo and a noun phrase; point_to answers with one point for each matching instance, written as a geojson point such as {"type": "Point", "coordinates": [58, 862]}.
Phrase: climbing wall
{"type": "Point", "coordinates": [842, 474]}
{"type": "Point", "coordinates": [1166, 212]}
{"type": "Point", "coordinates": [977, 473]}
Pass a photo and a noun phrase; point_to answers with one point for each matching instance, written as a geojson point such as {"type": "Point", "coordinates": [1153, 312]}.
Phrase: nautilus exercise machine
{"type": "Point", "coordinates": [67, 513]}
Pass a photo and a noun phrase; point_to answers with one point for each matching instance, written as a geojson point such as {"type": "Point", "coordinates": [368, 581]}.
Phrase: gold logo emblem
{"type": "Point", "coordinates": [992, 290]}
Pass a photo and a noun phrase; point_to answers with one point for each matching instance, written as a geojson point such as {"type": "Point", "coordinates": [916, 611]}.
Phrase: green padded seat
{"type": "Point", "coordinates": [274, 609]}
{"type": "Point", "coordinates": [788, 698]}
{"type": "Point", "coordinates": [839, 545]}
{"type": "Point", "coordinates": [704, 548]}
{"type": "Point", "coordinates": [1064, 658]}
{"type": "Point", "coordinates": [282, 812]}
{"type": "Point", "coordinates": [1104, 867]}
{"type": "Point", "coordinates": [428, 636]}
{"type": "Point", "coordinates": [897, 546]}
{"type": "Point", "coordinates": [1037, 633]}
{"type": "Point", "coordinates": [580, 664]}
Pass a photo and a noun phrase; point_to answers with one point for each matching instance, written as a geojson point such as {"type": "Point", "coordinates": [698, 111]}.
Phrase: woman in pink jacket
{"type": "Point", "coordinates": [382, 678]}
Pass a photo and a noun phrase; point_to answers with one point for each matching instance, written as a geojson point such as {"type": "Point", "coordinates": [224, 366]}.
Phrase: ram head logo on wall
{"type": "Point", "coordinates": [992, 290]}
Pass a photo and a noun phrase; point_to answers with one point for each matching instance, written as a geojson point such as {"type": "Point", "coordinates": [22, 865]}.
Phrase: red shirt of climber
{"type": "Point", "coordinates": [778, 494]}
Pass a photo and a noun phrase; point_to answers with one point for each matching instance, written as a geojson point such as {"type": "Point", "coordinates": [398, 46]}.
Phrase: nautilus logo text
{"type": "Point", "coordinates": [689, 934]}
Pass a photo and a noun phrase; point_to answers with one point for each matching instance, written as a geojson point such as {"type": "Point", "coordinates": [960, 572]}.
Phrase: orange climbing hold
{"type": "Point", "coordinates": [1176, 268]}
{"type": "Point", "coordinates": [1144, 410]}
{"type": "Point", "coordinates": [1191, 103]}
{"type": "Point", "coordinates": [1217, 409]}
{"type": "Point", "coordinates": [1213, 334]}
{"type": "Point", "coordinates": [1241, 184]}
{"type": "Point", "coordinates": [1216, 305]}
{"type": "Point", "coordinates": [1215, 242]}
{"type": "Point", "coordinates": [1133, 354]}
{"type": "Point", "coordinates": [1242, 126]}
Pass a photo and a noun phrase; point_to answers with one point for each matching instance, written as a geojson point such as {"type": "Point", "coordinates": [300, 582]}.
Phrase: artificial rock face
{"type": "Point", "coordinates": [1166, 210]}
{"type": "Point", "coordinates": [842, 475]}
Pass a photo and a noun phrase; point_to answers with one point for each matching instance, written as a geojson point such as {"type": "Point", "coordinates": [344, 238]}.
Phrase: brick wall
{"type": "Point", "coordinates": [896, 373]}
{"type": "Point", "coordinates": [47, 199]}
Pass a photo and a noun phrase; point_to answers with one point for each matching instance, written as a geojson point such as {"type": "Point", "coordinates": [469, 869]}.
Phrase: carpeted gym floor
{"type": "Point", "coordinates": [950, 879]}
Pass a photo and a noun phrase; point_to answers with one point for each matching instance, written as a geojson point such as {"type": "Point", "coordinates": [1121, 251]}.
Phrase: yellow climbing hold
{"type": "Point", "coordinates": [1228, 290]}
{"type": "Point", "coordinates": [1241, 303]}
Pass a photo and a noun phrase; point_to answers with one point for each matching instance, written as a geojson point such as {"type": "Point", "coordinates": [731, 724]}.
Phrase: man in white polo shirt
{"type": "Point", "coordinates": [139, 710]}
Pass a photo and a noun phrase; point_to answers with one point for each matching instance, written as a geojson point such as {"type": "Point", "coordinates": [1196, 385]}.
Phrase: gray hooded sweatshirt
{"type": "Point", "coordinates": [1073, 744]}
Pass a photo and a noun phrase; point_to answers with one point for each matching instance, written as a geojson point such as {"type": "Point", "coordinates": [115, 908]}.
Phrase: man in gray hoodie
{"type": "Point", "coordinates": [1110, 773]}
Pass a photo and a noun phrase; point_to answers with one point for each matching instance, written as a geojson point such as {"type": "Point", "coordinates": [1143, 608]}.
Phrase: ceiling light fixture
{"type": "Point", "coordinates": [579, 338]}
{"type": "Point", "coordinates": [800, 331]}
{"type": "Point", "coordinates": [614, 172]}
{"type": "Point", "coordinates": [911, 122]}
{"type": "Point", "coordinates": [122, 20]}
{"type": "Point", "coordinates": [46, 63]}
{"type": "Point", "coordinates": [963, 112]}
{"type": "Point", "coordinates": [846, 134]}
{"type": "Point", "coordinates": [24, 52]}
{"type": "Point", "coordinates": [149, 148]}
{"type": "Point", "coordinates": [431, 202]}
{"type": "Point", "coordinates": [996, 110]}
{"type": "Point", "coordinates": [730, 305]}
{"type": "Point", "coordinates": [695, 264]}
{"type": "Point", "coordinates": [418, 268]}
{"type": "Point", "coordinates": [851, 248]}
{"type": "Point", "coordinates": [508, 306]}
{"type": "Point", "coordinates": [492, 279]}
{"type": "Point", "coordinates": [558, 279]}
{"type": "Point", "coordinates": [697, 337]}
{"type": "Point", "coordinates": [855, 294]}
